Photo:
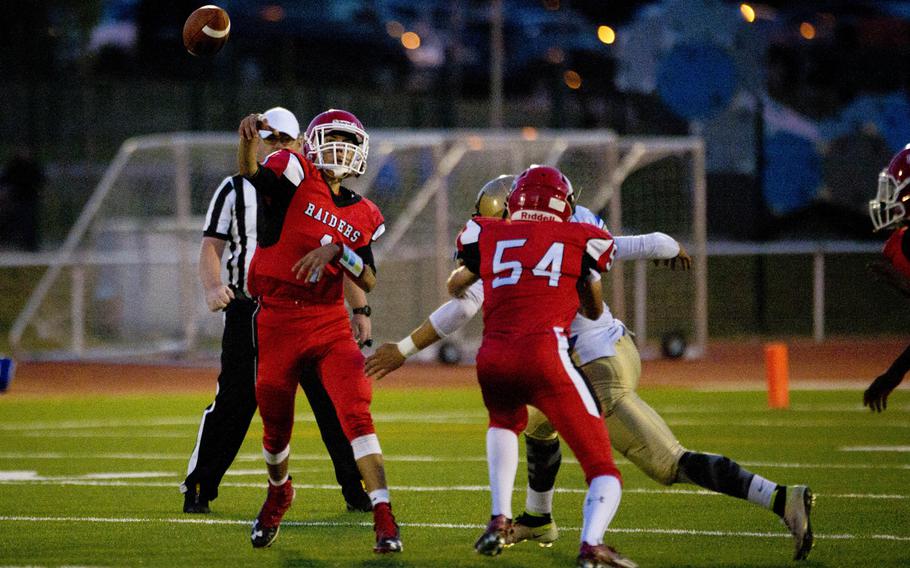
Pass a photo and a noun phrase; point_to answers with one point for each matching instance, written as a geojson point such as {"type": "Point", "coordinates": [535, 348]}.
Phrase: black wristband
{"type": "Point", "coordinates": [364, 311]}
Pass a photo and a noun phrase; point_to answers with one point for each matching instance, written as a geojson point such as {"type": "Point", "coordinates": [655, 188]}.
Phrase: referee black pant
{"type": "Point", "coordinates": [226, 420]}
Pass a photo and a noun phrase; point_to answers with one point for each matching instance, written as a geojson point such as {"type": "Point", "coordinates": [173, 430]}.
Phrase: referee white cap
{"type": "Point", "coordinates": [282, 120]}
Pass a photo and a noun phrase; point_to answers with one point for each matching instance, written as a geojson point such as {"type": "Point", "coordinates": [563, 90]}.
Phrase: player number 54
{"type": "Point", "coordinates": [549, 266]}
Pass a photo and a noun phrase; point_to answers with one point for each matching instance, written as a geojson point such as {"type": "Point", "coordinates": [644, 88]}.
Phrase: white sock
{"type": "Point", "coordinates": [281, 481]}
{"type": "Point", "coordinates": [760, 491]}
{"type": "Point", "coordinates": [539, 503]}
{"type": "Point", "coordinates": [600, 507]}
{"type": "Point", "coordinates": [502, 461]}
{"type": "Point", "coordinates": [379, 496]}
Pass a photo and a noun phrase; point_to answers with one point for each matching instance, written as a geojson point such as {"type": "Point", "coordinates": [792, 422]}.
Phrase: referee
{"type": "Point", "coordinates": [231, 222]}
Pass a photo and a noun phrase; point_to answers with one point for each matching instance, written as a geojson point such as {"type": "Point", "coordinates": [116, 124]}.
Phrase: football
{"type": "Point", "coordinates": [206, 30]}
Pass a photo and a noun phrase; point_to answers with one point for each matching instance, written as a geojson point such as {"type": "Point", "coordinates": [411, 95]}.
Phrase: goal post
{"type": "Point", "coordinates": [124, 284]}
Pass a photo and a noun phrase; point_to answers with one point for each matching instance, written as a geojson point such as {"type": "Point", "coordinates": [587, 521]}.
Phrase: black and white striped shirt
{"type": "Point", "coordinates": [232, 217]}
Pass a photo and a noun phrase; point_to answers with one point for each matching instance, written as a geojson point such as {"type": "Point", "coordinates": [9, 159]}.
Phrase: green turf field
{"type": "Point", "coordinates": [92, 481]}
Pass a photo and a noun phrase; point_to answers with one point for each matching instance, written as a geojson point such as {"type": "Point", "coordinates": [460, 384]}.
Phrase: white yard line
{"type": "Point", "coordinates": [110, 480]}
{"type": "Point", "coordinates": [393, 457]}
{"type": "Point", "coordinates": [477, 416]}
{"type": "Point", "coordinates": [686, 532]}
{"type": "Point", "coordinates": [899, 449]}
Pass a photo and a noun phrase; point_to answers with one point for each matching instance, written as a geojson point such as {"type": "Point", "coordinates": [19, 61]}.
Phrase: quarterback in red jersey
{"type": "Point", "coordinates": [313, 232]}
{"type": "Point", "coordinates": [891, 210]}
{"type": "Point", "coordinates": [535, 269]}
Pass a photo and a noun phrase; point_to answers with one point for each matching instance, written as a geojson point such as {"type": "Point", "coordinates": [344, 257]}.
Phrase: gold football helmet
{"type": "Point", "coordinates": [493, 197]}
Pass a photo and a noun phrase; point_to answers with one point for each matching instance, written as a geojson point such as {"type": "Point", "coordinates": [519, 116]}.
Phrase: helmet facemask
{"type": "Point", "coordinates": [888, 209]}
{"type": "Point", "coordinates": [342, 157]}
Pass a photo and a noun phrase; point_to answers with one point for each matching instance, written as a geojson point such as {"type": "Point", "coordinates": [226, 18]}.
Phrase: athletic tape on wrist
{"type": "Point", "coordinates": [350, 261]}
{"type": "Point", "coordinates": [406, 347]}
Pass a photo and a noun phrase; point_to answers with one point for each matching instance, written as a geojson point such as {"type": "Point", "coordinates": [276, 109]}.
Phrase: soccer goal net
{"type": "Point", "coordinates": [125, 284]}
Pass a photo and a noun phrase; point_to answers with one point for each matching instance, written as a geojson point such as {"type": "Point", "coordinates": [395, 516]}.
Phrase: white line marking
{"type": "Point", "coordinates": [109, 480]}
{"type": "Point", "coordinates": [468, 417]}
{"type": "Point", "coordinates": [401, 458]}
{"type": "Point", "coordinates": [732, 421]}
{"type": "Point", "coordinates": [902, 449]}
{"type": "Point", "coordinates": [18, 475]}
{"type": "Point", "coordinates": [405, 459]}
{"type": "Point", "coordinates": [688, 532]}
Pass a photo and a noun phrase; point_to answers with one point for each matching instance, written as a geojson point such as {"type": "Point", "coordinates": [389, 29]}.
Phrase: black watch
{"type": "Point", "coordinates": [364, 311]}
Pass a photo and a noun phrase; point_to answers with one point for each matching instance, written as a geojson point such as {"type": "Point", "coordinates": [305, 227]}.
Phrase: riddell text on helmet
{"type": "Point", "coordinates": [531, 215]}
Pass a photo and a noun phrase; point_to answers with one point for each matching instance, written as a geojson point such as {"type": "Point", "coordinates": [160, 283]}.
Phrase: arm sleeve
{"type": "Point", "coordinates": [218, 217]}
{"type": "Point", "coordinates": [451, 316]}
{"type": "Point", "coordinates": [652, 245]}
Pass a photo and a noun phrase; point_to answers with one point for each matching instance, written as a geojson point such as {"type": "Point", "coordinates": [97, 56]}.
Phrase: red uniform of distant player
{"type": "Point", "coordinates": [313, 232]}
{"type": "Point", "coordinates": [891, 210]}
{"type": "Point", "coordinates": [535, 268]}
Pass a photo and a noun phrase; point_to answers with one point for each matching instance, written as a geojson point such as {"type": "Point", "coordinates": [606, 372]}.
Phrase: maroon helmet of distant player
{"type": "Point", "coordinates": [341, 157]}
{"type": "Point", "coordinates": [541, 193]}
{"type": "Point", "coordinates": [890, 207]}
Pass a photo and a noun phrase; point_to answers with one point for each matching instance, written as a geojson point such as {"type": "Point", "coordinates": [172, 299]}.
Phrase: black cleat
{"type": "Point", "coordinates": [263, 536]}
{"type": "Point", "coordinates": [357, 499]}
{"type": "Point", "coordinates": [193, 503]}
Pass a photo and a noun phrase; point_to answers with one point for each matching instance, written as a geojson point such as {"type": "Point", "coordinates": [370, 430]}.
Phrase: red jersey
{"type": "Point", "coordinates": [530, 270]}
{"type": "Point", "coordinates": [897, 251]}
{"type": "Point", "coordinates": [299, 213]}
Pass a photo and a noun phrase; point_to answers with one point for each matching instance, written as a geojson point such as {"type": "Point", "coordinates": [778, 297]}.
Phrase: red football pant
{"type": "Point", "coordinates": [294, 340]}
{"type": "Point", "coordinates": [536, 370]}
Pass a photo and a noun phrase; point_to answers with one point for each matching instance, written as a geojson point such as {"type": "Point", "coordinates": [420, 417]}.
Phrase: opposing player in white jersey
{"type": "Point", "coordinates": [607, 356]}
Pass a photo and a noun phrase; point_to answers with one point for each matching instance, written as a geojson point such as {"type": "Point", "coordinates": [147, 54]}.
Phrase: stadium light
{"type": "Point", "coordinates": [748, 12]}
{"type": "Point", "coordinates": [807, 30]}
{"type": "Point", "coordinates": [572, 79]}
{"type": "Point", "coordinates": [410, 40]}
{"type": "Point", "coordinates": [394, 29]}
{"type": "Point", "coordinates": [606, 34]}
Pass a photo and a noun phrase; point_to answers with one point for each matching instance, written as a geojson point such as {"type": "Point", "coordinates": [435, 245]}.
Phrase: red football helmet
{"type": "Point", "coordinates": [342, 158]}
{"type": "Point", "coordinates": [888, 209]}
{"type": "Point", "coordinates": [541, 193]}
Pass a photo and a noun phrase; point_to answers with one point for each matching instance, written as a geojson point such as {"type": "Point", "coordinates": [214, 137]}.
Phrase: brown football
{"type": "Point", "coordinates": [206, 30]}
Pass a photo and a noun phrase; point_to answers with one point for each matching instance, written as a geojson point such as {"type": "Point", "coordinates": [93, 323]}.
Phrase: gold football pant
{"type": "Point", "coordinates": [636, 430]}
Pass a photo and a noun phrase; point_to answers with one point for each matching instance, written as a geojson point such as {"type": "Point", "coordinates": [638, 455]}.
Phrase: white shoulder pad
{"type": "Point", "coordinates": [585, 215]}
